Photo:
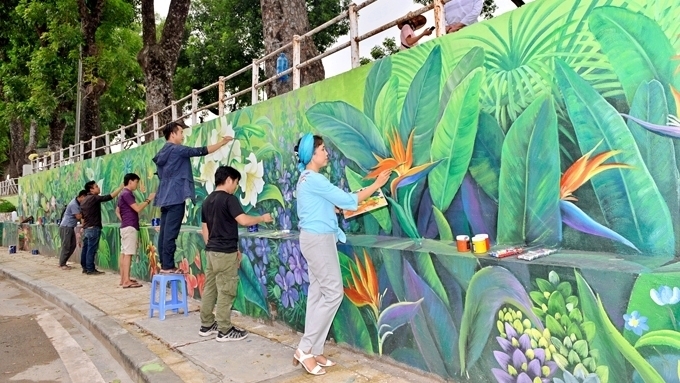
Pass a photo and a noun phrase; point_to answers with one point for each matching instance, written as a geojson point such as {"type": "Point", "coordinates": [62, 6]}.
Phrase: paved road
{"type": "Point", "coordinates": [41, 343]}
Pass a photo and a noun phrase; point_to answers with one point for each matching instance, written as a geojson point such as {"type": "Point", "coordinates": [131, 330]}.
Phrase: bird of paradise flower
{"type": "Point", "coordinates": [401, 163]}
{"type": "Point", "coordinates": [363, 291]}
{"type": "Point", "coordinates": [573, 178]}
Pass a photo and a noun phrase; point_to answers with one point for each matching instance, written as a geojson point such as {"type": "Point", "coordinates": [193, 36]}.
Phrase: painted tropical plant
{"type": "Point", "coordinates": [433, 126]}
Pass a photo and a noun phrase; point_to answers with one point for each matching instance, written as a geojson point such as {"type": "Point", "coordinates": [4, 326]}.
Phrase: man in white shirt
{"type": "Point", "coordinates": [461, 13]}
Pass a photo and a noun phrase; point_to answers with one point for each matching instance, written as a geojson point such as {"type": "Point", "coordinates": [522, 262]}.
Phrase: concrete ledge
{"type": "Point", "coordinates": [141, 364]}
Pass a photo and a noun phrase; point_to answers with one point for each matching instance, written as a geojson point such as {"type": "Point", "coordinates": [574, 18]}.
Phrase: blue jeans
{"type": "Point", "coordinates": [90, 246]}
{"type": "Point", "coordinates": [171, 223]}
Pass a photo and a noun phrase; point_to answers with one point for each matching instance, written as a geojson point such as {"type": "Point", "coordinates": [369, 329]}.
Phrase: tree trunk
{"type": "Point", "coordinates": [281, 20]}
{"type": "Point", "coordinates": [158, 59]}
{"type": "Point", "coordinates": [17, 156]}
{"type": "Point", "coordinates": [93, 86]}
{"type": "Point", "coordinates": [32, 138]}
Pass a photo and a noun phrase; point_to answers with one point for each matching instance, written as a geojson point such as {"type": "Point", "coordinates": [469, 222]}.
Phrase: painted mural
{"type": "Point", "coordinates": [554, 126]}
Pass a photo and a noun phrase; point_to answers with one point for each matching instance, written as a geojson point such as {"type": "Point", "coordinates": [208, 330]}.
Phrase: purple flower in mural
{"type": "Point", "coordinates": [262, 249]}
{"type": "Point", "coordinates": [519, 361]}
{"type": "Point", "coordinates": [260, 272]}
{"type": "Point", "coordinates": [284, 219]}
{"type": "Point", "coordinates": [298, 265]}
{"type": "Point", "coordinates": [246, 248]}
{"type": "Point", "coordinates": [285, 280]}
{"type": "Point", "coordinates": [636, 323]}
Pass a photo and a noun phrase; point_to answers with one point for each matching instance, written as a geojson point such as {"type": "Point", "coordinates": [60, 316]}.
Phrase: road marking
{"type": "Point", "coordinates": [79, 366]}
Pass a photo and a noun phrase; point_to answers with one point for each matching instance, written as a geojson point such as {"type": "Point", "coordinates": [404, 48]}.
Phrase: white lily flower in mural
{"type": "Point", "coordinates": [208, 175]}
{"type": "Point", "coordinates": [251, 180]}
{"type": "Point", "coordinates": [229, 152]}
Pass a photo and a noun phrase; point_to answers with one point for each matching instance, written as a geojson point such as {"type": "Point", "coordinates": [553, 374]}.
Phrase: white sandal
{"type": "Point", "coordinates": [317, 370]}
{"type": "Point", "coordinates": [329, 363]}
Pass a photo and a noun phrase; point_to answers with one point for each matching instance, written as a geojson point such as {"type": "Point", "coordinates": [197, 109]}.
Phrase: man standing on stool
{"type": "Point", "coordinates": [461, 13]}
{"type": "Point", "coordinates": [67, 229]}
{"type": "Point", "coordinates": [221, 214]}
{"type": "Point", "coordinates": [128, 210]}
{"type": "Point", "coordinates": [91, 209]}
{"type": "Point", "coordinates": [177, 184]}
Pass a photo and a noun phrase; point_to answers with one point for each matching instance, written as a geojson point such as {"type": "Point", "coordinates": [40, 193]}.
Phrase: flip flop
{"type": "Point", "coordinates": [65, 267]}
{"type": "Point", "coordinates": [132, 286]}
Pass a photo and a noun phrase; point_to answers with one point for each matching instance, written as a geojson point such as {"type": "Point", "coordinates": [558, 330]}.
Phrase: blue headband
{"type": "Point", "coordinates": [305, 151]}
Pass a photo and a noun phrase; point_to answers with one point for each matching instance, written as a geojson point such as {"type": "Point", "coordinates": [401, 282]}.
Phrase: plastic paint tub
{"type": "Point", "coordinates": [463, 243]}
{"type": "Point", "coordinates": [479, 245]}
{"type": "Point", "coordinates": [486, 237]}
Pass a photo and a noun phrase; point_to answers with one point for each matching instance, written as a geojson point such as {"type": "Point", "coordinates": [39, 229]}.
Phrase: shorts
{"type": "Point", "coordinates": [128, 240]}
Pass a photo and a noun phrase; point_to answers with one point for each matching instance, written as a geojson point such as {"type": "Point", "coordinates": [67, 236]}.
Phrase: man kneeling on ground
{"type": "Point", "coordinates": [221, 214]}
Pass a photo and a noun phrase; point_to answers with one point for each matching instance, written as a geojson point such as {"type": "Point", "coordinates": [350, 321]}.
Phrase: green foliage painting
{"type": "Point", "coordinates": [555, 125]}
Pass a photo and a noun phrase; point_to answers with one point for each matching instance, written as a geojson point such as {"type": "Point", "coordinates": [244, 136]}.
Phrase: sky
{"type": "Point", "coordinates": [371, 17]}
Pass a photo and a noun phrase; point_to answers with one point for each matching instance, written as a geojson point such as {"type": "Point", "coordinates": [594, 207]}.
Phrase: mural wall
{"type": "Point", "coordinates": [552, 126]}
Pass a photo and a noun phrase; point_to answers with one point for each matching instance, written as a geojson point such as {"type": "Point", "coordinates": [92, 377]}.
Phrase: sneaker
{"type": "Point", "coordinates": [233, 334]}
{"type": "Point", "coordinates": [94, 272]}
{"type": "Point", "coordinates": [208, 330]}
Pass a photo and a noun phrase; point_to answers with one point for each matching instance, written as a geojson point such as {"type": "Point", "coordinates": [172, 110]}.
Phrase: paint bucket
{"type": "Point", "coordinates": [13, 249]}
{"type": "Point", "coordinates": [155, 221]}
{"type": "Point", "coordinates": [253, 229]}
{"type": "Point", "coordinates": [479, 245]}
{"type": "Point", "coordinates": [463, 243]}
{"type": "Point", "coordinates": [486, 238]}
{"type": "Point", "coordinates": [35, 252]}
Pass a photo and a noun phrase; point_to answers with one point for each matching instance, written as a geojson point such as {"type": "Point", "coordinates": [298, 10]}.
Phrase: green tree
{"type": "Point", "coordinates": [388, 47]}
{"type": "Point", "coordinates": [223, 36]}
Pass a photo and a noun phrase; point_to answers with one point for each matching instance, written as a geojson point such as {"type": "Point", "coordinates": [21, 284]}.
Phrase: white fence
{"type": "Point", "coordinates": [9, 187]}
{"type": "Point", "coordinates": [189, 103]}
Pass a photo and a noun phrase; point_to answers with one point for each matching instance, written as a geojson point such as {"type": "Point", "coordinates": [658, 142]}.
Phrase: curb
{"type": "Point", "coordinates": [139, 362]}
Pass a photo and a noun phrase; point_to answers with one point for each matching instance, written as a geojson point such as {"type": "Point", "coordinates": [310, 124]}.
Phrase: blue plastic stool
{"type": "Point", "coordinates": [160, 283]}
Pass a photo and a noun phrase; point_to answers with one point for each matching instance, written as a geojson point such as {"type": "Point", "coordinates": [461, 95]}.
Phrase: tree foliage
{"type": "Point", "coordinates": [488, 8]}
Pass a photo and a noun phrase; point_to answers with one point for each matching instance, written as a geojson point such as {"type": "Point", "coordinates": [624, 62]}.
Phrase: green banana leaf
{"type": "Point", "coordinates": [472, 60]}
{"type": "Point", "coordinates": [419, 113]}
{"type": "Point", "coordinates": [658, 152]}
{"type": "Point", "coordinates": [377, 78]}
{"type": "Point", "coordinates": [349, 327]}
{"type": "Point", "coordinates": [610, 356]}
{"type": "Point", "coordinates": [427, 271]}
{"type": "Point", "coordinates": [271, 192]}
{"type": "Point", "coordinates": [528, 201]}
{"type": "Point", "coordinates": [350, 130]}
{"type": "Point", "coordinates": [445, 233]}
{"type": "Point", "coordinates": [490, 288]}
{"type": "Point", "coordinates": [637, 48]}
{"type": "Point", "coordinates": [485, 164]}
{"type": "Point", "coordinates": [453, 140]}
{"type": "Point", "coordinates": [629, 198]}
{"type": "Point", "coordinates": [385, 117]}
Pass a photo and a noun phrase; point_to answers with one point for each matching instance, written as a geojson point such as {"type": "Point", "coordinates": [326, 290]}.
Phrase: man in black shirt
{"type": "Point", "coordinates": [221, 214]}
{"type": "Point", "coordinates": [91, 209]}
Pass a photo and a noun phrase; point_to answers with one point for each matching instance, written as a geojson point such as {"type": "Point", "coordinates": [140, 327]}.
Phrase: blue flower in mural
{"type": "Point", "coordinates": [636, 323]}
{"type": "Point", "coordinates": [261, 273]}
{"type": "Point", "coordinates": [246, 245]}
{"type": "Point", "coordinates": [298, 265]}
{"type": "Point", "coordinates": [284, 218]}
{"type": "Point", "coordinates": [262, 249]}
{"type": "Point", "coordinates": [286, 280]}
{"type": "Point", "coordinates": [665, 295]}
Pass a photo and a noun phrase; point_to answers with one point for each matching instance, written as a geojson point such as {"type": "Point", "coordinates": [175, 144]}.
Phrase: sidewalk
{"type": "Point", "coordinates": [265, 356]}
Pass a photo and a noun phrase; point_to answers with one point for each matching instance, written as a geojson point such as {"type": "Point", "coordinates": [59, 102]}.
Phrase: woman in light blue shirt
{"type": "Point", "coordinates": [317, 201]}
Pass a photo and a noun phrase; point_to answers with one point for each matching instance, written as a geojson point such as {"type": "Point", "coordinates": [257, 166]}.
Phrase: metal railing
{"type": "Point", "coordinates": [9, 187]}
{"type": "Point", "coordinates": [189, 104]}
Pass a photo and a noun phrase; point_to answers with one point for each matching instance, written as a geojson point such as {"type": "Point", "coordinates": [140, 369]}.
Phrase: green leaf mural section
{"type": "Point", "coordinates": [629, 198]}
{"type": "Point", "coordinates": [419, 113]}
{"type": "Point", "coordinates": [453, 141]}
{"type": "Point", "coordinates": [350, 130]}
{"type": "Point", "coordinates": [377, 78]}
{"type": "Point", "coordinates": [658, 153]}
{"type": "Point", "coordinates": [485, 164]}
{"type": "Point", "coordinates": [637, 47]}
{"type": "Point", "coordinates": [528, 202]}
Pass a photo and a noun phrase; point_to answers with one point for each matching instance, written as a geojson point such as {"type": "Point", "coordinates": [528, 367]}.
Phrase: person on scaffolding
{"type": "Point", "coordinates": [409, 38]}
